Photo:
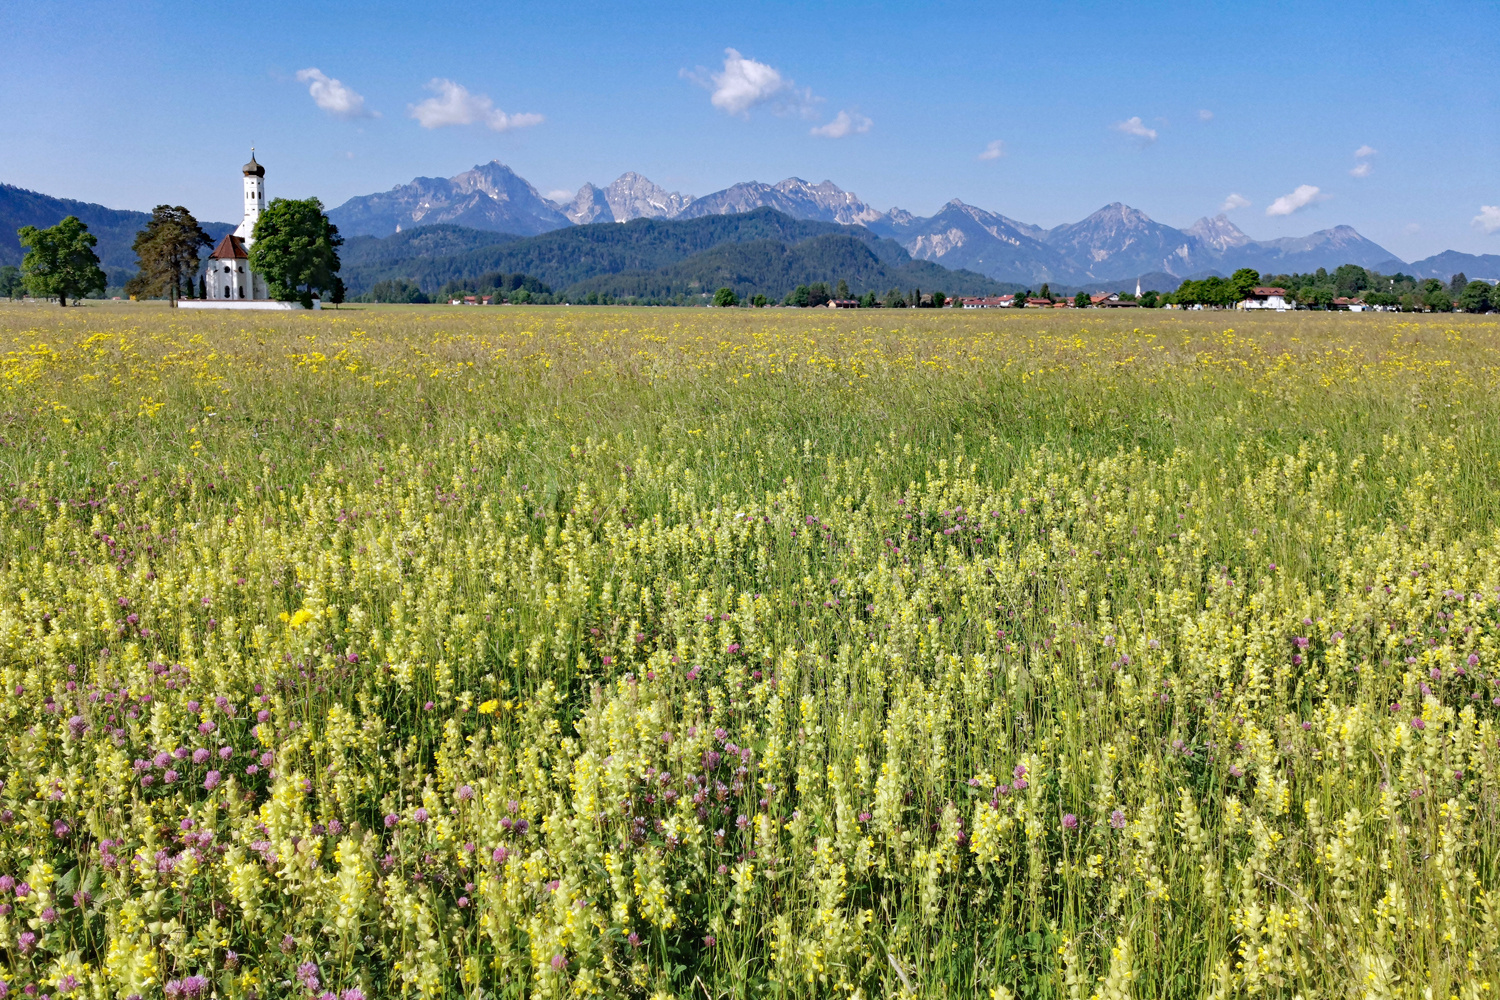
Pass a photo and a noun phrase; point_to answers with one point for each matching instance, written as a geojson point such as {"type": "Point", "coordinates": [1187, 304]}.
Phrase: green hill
{"type": "Point", "coordinates": [774, 268]}
{"type": "Point", "coordinates": [761, 250]}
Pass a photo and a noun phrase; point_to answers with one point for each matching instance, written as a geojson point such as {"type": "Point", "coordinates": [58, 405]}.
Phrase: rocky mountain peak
{"type": "Point", "coordinates": [1218, 232]}
{"type": "Point", "coordinates": [589, 205]}
{"type": "Point", "coordinates": [631, 196]}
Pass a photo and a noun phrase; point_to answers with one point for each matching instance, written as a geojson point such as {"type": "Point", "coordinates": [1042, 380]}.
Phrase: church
{"type": "Point", "coordinates": [228, 282]}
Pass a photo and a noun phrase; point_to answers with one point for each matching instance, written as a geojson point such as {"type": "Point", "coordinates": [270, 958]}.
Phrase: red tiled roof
{"type": "Point", "coordinates": [230, 247]}
{"type": "Point", "coordinates": [1263, 292]}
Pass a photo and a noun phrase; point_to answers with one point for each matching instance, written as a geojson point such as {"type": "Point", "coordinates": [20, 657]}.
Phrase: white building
{"type": "Point", "coordinates": [228, 275]}
{"type": "Point", "coordinates": [1262, 297]}
{"type": "Point", "coordinates": [228, 282]}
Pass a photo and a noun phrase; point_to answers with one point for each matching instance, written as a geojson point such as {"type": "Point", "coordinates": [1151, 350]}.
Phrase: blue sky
{"type": "Point", "coordinates": [1169, 107]}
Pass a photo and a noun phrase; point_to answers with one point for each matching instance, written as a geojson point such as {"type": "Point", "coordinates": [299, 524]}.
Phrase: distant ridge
{"type": "Point", "coordinates": [760, 251]}
{"type": "Point", "coordinates": [115, 228]}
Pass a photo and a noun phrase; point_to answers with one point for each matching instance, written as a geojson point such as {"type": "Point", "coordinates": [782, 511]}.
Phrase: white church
{"type": "Point", "coordinates": [228, 282]}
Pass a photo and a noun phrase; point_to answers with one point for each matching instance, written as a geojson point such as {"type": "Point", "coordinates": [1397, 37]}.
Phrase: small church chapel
{"type": "Point", "coordinates": [228, 274]}
{"type": "Point", "coordinates": [228, 282]}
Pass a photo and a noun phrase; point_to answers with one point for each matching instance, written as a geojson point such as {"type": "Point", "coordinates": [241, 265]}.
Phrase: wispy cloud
{"type": "Point", "coordinates": [844, 123]}
{"type": "Point", "coordinates": [455, 105]}
{"type": "Point", "coordinates": [1233, 202]}
{"type": "Point", "coordinates": [1488, 218]}
{"type": "Point", "coordinates": [1364, 151]}
{"type": "Point", "coordinates": [1134, 126]}
{"type": "Point", "coordinates": [560, 195]}
{"type": "Point", "coordinates": [1205, 115]}
{"type": "Point", "coordinates": [1361, 169]}
{"type": "Point", "coordinates": [994, 150]}
{"type": "Point", "coordinates": [1305, 195]}
{"type": "Point", "coordinates": [334, 96]}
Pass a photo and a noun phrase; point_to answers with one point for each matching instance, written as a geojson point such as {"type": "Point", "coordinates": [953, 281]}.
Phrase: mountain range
{"type": "Point", "coordinates": [1115, 245]}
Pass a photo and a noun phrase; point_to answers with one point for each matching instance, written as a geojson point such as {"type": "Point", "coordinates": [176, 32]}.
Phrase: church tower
{"type": "Point", "coordinates": [228, 277]}
{"type": "Point", "coordinates": [255, 199]}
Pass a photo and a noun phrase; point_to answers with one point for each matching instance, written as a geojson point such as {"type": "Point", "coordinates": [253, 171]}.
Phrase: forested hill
{"type": "Point", "coordinates": [115, 228]}
{"type": "Point", "coordinates": [774, 268]}
{"type": "Point", "coordinates": [653, 252]}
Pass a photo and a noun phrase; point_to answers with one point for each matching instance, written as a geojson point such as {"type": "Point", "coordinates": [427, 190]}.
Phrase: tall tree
{"type": "Point", "coordinates": [1458, 283]}
{"type": "Point", "coordinates": [842, 292]}
{"type": "Point", "coordinates": [60, 260]}
{"type": "Point", "coordinates": [168, 249]}
{"type": "Point", "coordinates": [1244, 281]}
{"type": "Point", "coordinates": [1437, 299]}
{"type": "Point", "coordinates": [1082, 300]}
{"type": "Point", "coordinates": [296, 249]}
{"type": "Point", "coordinates": [1476, 297]}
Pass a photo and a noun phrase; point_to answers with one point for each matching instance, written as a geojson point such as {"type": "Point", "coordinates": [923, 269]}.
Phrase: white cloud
{"type": "Point", "coordinates": [1488, 218]}
{"type": "Point", "coordinates": [560, 196]}
{"type": "Point", "coordinates": [744, 83]}
{"type": "Point", "coordinates": [1136, 127]}
{"type": "Point", "coordinates": [844, 123]}
{"type": "Point", "coordinates": [1299, 199]}
{"type": "Point", "coordinates": [333, 96]}
{"type": "Point", "coordinates": [1411, 229]}
{"type": "Point", "coordinates": [1205, 115]}
{"type": "Point", "coordinates": [1364, 151]}
{"type": "Point", "coordinates": [1233, 202]}
{"type": "Point", "coordinates": [993, 151]}
{"type": "Point", "coordinates": [455, 105]}
{"type": "Point", "coordinates": [1361, 170]}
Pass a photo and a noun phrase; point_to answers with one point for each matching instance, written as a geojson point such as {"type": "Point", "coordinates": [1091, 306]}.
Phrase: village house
{"type": "Point", "coordinates": [1110, 300]}
{"type": "Point", "coordinates": [1266, 297]}
{"type": "Point", "coordinates": [843, 303]}
{"type": "Point", "coordinates": [990, 302]}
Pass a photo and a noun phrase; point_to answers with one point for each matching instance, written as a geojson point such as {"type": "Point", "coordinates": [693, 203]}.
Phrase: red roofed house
{"type": "Point", "coordinates": [990, 302]}
{"type": "Point", "coordinates": [1263, 297]}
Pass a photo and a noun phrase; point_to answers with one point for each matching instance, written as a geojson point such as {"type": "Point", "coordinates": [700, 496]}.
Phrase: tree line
{"type": "Point", "coordinates": [1319, 289]}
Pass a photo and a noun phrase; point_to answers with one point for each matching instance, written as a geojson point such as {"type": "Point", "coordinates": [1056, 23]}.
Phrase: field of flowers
{"type": "Point", "coordinates": [667, 653]}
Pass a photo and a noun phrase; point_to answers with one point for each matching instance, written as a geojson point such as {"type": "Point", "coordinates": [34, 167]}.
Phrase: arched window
{"type": "Point", "coordinates": [242, 293]}
{"type": "Point", "coordinates": [226, 291]}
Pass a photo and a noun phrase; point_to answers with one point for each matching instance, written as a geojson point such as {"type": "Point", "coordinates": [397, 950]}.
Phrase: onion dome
{"type": "Point", "coordinates": [253, 169]}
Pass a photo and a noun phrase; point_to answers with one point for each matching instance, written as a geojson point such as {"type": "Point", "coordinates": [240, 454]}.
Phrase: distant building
{"type": "Point", "coordinates": [990, 302]}
{"type": "Point", "coordinates": [1263, 297]}
{"type": "Point", "coordinates": [1039, 303]}
{"type": "Point", "coordinates": [843, 303]}
{"type": "Point", "coordinates": [1353, 305]}
{"type": "Point", "coordinates": [1110, 300]}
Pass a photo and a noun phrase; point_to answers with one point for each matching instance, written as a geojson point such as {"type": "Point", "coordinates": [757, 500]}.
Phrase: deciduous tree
{"type": "Point", "coordinates": [1476, 297]}
{"type": "Point", "coordinates": [296, 249]}
{"type": "Point", "coordinates": [60, 261]}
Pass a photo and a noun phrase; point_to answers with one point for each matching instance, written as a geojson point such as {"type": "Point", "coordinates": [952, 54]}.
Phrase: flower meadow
{"type": "Point", "coordinates": [667, 653]}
